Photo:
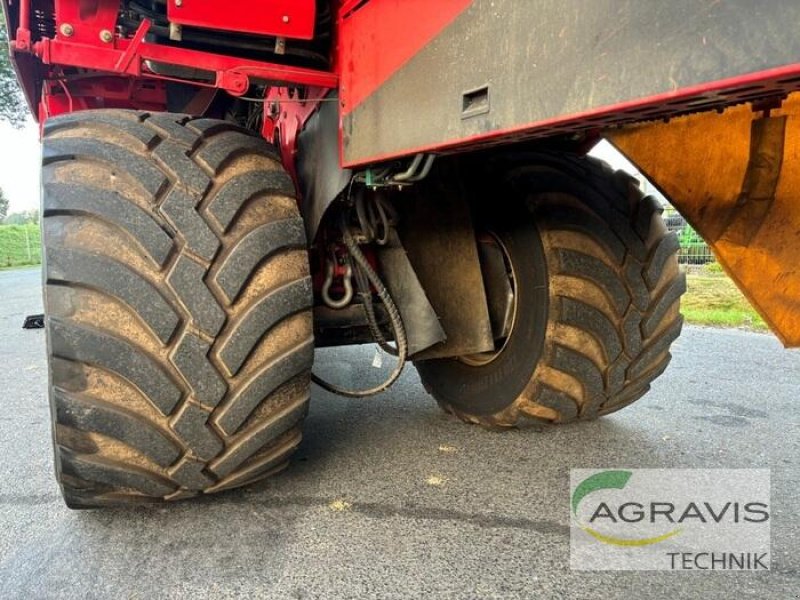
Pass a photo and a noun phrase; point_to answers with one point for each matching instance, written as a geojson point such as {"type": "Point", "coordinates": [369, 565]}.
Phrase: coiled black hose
{"type": "Point", "coordinates": [372, 321]}
{"type": "Point", "coordinates": [365, 270]}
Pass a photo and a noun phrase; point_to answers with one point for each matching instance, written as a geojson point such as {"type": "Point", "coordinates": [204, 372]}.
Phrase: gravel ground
{"type": "Point", "coordinates": [389, 498]}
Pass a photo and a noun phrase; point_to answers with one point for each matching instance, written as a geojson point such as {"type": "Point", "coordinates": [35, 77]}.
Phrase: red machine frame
{"type": "Point", "coordinates": [122, 69]}
{"type": "Point", "coordinates": [130, 57]}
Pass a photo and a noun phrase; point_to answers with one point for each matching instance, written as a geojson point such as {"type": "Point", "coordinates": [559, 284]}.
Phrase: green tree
{"type": "Point", "coordinates": [24, 217]}
{"type": "Point", "coordinates": [3, 206]}
{"type": "Point", "coordinates": [12, 104]}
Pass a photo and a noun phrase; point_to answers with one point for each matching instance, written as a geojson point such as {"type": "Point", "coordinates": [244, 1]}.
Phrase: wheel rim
{"type": "Point", "coordinates": [500, 286]}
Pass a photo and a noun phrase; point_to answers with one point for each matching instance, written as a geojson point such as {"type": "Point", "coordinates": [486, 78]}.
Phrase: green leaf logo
{"type": "Point", "coordinates": [606, 480]}
{"type": "Point", "coordinates": [599, 481]}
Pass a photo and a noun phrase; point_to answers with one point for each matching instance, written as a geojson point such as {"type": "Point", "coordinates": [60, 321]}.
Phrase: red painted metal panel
{"type": "Point", "coordinates": [284, 18]}
{"type": "Point", "coordinates": [549, 68]}
{"type": "Point", "coordinates": [69, 95]}
{"type": "Point", "coordinates": [85, 21]}
{"type": "Point", "coordinates": [365, 58]}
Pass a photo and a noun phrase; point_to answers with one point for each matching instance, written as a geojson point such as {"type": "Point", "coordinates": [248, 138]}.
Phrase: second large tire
{"type": "Point", "coordinates": [596, 296]}
{"type": "Point", "coordinates": [178, 306]}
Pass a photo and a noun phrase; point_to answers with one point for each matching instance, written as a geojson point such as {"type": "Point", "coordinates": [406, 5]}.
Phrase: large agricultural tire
{"type": "Point", "coordinates": [177, 302]}
{"type": "Point", "coordinates": [596, 294]}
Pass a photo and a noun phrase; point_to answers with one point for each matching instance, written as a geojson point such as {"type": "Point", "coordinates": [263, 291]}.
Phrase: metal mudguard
{"type": "Point", "coordinates": [320, 176]}
{"type": "Point", "coordinates": [735, 176]}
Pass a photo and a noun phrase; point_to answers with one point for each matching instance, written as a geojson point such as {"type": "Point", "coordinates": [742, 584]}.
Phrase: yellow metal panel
{"type": "Point", "coordinates": [735, 177]}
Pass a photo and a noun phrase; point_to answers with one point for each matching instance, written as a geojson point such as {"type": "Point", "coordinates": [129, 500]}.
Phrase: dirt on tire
{"type": "Point", "coordinates": [178, 306]}
{"type": "Point", "coordinates": [599, 288]}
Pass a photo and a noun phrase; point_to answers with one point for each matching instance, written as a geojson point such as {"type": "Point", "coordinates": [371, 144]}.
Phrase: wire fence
{"type": "Point", "coordinates": [20, 245]}
{"type": "Point", "coordinates": [694, 250]}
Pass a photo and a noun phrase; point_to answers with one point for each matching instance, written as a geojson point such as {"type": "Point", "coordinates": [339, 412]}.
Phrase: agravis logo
{"type": "Point", "coordinates": [676, 519]}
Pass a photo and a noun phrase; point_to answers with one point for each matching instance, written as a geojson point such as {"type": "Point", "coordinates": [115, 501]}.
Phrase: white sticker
{"type": "Point", "coordinates": [377, 360]}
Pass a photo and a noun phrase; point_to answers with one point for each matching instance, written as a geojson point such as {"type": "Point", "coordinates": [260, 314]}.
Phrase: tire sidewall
{"type": "Point", "coordinates": [493, 387]}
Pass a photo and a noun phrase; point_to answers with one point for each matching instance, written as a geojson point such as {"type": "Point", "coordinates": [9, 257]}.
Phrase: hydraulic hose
{"type": "Point", "coordinates": [362, 264]}
{"type": "Point", "coordinates": [372, 321]}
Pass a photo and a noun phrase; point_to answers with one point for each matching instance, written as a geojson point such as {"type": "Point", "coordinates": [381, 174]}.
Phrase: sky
{"type": "Point", "coordinates": [20, 155]}
{"type": "Point", "coordinates": [607, 152]}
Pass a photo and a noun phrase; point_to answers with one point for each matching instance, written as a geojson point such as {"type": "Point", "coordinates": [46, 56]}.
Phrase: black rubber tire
{"type": "Point", "coordinates": [178, 306]}
{"type": "Point", "coordinates": [598, 294]}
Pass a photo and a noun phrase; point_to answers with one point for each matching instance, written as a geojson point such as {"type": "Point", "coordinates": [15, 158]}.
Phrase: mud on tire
{"type": "Point", "coordinates": [177, 304]}
{"type": "Point", "coordinates": [597, 298]}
